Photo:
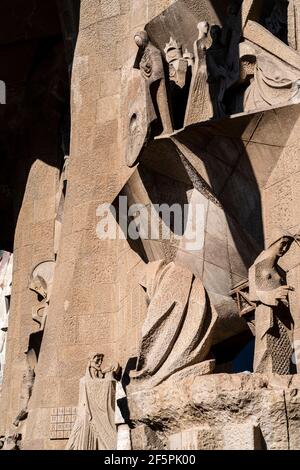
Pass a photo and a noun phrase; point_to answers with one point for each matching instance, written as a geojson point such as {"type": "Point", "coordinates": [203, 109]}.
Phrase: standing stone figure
{"type": "Point", "coordinates": [6, 267]}
{"type": "Point", "coordinates": [41, 281]}
{"type": "Point", "coordinates": [177, 332]}
{"type": "Point", "coordinates": [152, 69]}
{"type": "Point", "coordinates": [199, 106]}
{"type": "Point", "coordinates": [59, 203]}
{"type": "Point", "coordinates": [178, 65]}
{"type": "Point", "coordinates": [231, 35]}
{"type": "Point", "coordinates": [149, 112]}
{"type": "Point", "coordinates": [273, 320]}
{"type": "Point", "coordinates": [26, 392]}
{"type": "Point", "coordinates": [277, 22]}
{"type": "Point", "coordinates": [95, 428]}
{"type": "Point", "coordinates": [217, 72]}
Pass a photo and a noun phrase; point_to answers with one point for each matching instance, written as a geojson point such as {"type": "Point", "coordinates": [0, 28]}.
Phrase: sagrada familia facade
{"type": "Point", "coordinates": [150, 225]}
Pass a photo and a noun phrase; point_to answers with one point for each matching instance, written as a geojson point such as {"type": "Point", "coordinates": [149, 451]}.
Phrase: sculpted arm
{"type": "Point", "coordinates": [274, 296]}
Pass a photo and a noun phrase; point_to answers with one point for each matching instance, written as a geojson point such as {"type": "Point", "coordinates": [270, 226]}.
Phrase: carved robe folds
{"type": "Point", "coordinates": [95, 428]}
{"type": "Point", "coordinates": [275, 83]}
{"type": "Point", "coordinates": [273, 320]}
{"type": "Point", "coordinates": [6, 265]}
{"type": "Point", "coordinates": [177, 332]}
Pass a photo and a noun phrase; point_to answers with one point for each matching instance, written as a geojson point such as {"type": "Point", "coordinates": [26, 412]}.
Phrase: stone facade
{"type": "Point", "coordinates": [187, 103]}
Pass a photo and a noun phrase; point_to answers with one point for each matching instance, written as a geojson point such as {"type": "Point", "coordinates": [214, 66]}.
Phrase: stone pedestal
{"type": "Point", "coordinates": [218, 412]}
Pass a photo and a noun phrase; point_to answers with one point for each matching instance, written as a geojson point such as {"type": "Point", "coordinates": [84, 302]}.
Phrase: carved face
{"type": "Point", "coordinates": [281, 247]}
{"type": "Point", "coordinates": [141, 39]}
{"type": "Point", "coordinates": [284, 245]}
{"type": "Point", "coordinates": [203, 27]}
{"type": "Point", "coordinates": [98, 359]}
{"type": "Point", "coordinates": [39, 286]}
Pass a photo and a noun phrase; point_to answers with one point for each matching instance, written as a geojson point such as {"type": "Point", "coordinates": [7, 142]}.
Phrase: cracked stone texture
{"type": "Point", "coordinates": [219, 412]}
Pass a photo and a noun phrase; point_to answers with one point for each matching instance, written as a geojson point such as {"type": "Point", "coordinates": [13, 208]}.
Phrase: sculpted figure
{"type": "Point", "coordinates": [199, 103]}
{"type": "Point", "coordinates": [231, 35]}
{"type": "Point", "coordinates": [217, 76]}
{"type": "Point", "coordinates": [12, 442]}
{"type": "Point", "coordinates": [6, 266]}
{"type": "Point", "coordinates": [178, 65]}
{"type": "Point", "coordinates": [274, 82]}
{"type": "Point", "coordinates": [177, 332]}
{"type": "Point", "coordinates": [276, 23]}
{"type": "Point", "coordinates": [149, 113]}
{"type": "Point", "coordinates": [41, 282]}
{"type": "Point", "coordinates": [96, 370]}
{"type": "Point", "coordinates": [223, 58]}
{"type": "Point", "coordinates": [273, 320]}
{"type": "Point", "coordinates": [180, 75]}
{"type": "Point", "coordinates": [59, 203]}
{"type": "Point", "coordinates": [152, 70]}
{"type": "Point", "coordinates": [26, 392]}
{"type": "Point", "coordinates": [95, 427]}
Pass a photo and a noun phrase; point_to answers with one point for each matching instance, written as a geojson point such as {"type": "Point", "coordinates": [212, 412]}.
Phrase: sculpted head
{"type": "Point", "coordinates": [233, 8]}
{"type": "Point", "coordinates": [38, 285]}
{"type": "Point", "coordinates": [281, 245]}
{"type": "Point", "coordinates": [141, 39]}
{"type": "Point", "coordinates": [98, 359]}
{"type": "Point", "coordinates": [203, 28]}
{"type": "Point", "coordinates": [215, 32]}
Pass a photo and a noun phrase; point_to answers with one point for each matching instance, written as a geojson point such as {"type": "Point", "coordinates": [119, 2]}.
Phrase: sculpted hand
{"type": "Point", "coordinates": [281, 292]}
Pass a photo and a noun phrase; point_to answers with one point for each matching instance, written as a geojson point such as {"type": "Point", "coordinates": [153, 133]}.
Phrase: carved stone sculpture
{"type": "Point", "coordinates": [26, 392]}
{"type": "Point", "coordinates": [152, 70]}
{"type": "Point", "coordinates": [12, 442]}
{"type": "Point", "coordinates": [277, 22]}
{"type": "Point", "coordinates": [178, 65]}
{"type": "Point", "coordinates": [199, 103]}
{"type": "Point", "coordinates": [231, 35]}
{"type": "Point", "coordinates": [95, 428]}
{"type": "Point", "coordinates": [180, 75]}
{"type": "Point", "coordinates": [59, 203]}
{"type": "Point", "coordinates": [273, 320]}
{"type": "Point", "coordinates": [217, 72]}
{"type": "Point", "coordinates": [6, 264]}
{"type": "Point", "coordinates": [151, 108]}
{"type": "Point", "coordinates": [223, 59]}
{"type": "Point", "coordinates": [178, 329]}
{"type": "Point", "coordinates": [274, 83]}
{"type": "Point", "coordinates": [41, 282]}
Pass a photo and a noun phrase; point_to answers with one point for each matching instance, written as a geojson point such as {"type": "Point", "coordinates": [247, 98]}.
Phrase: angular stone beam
{"type": "Point", "coordinates": [245, 11]}
{"type": "Point", "coordinates": [260, 36]}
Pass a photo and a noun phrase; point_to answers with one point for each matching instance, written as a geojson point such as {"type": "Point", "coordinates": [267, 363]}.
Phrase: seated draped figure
{"type": "Point", "coordinates": [177, 332]}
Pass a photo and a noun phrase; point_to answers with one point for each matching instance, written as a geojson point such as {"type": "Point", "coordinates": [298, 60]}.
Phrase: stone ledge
{"type": "Point", "coordinates": [221, 406]}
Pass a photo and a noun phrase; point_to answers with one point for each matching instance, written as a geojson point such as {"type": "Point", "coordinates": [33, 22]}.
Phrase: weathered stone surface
{"type": "Point", "coordinates": [203, 95]}
{"type": "Point", "coordinates": [243, 411]}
